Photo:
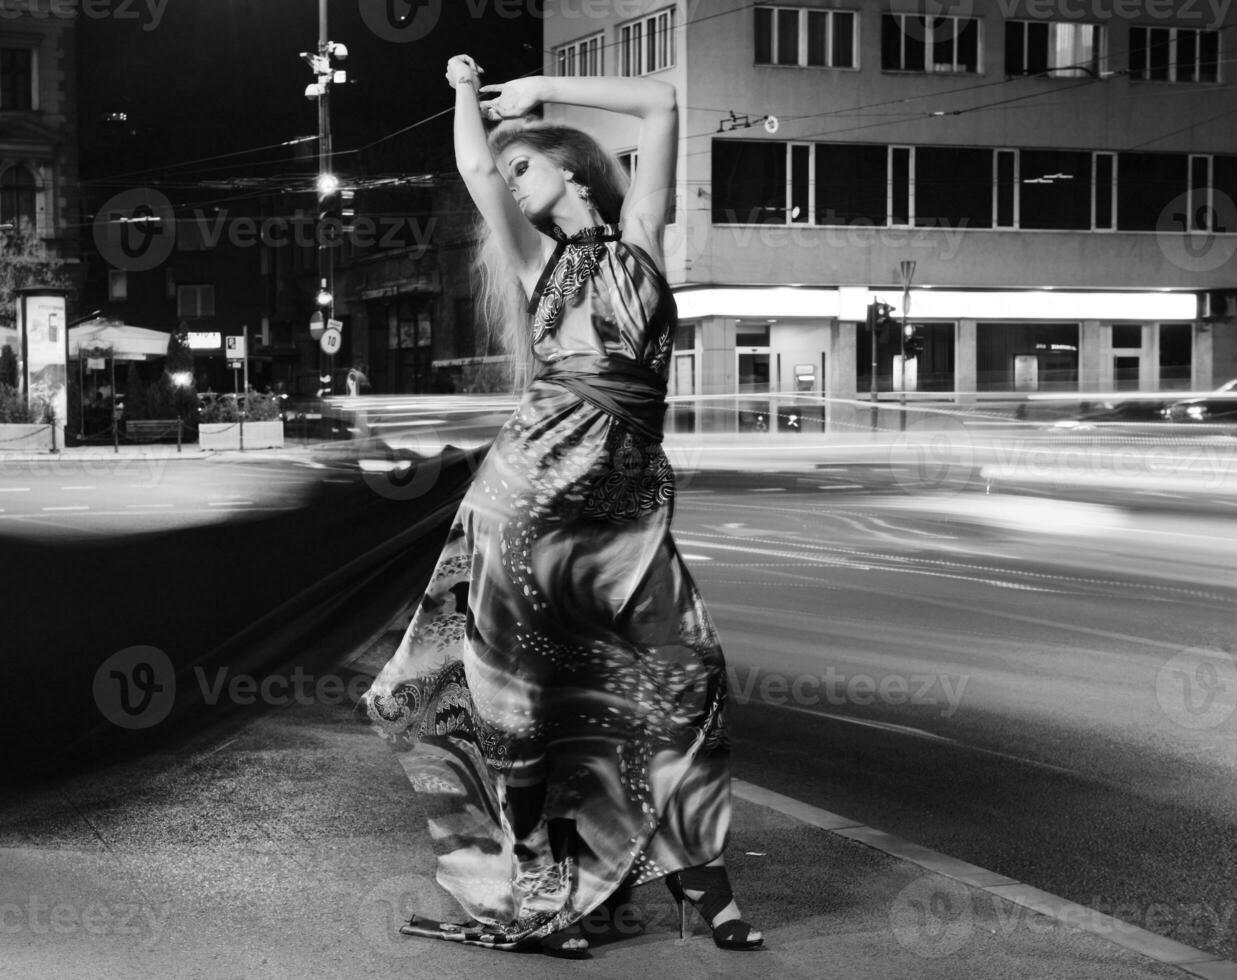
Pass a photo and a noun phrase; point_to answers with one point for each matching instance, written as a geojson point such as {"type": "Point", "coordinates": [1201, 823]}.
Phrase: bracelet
{"type": "Point", "coordinates": [471, 80]}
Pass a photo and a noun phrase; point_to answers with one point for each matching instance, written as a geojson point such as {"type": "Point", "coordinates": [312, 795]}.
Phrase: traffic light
{"type": "Point", "coordinates": [913, 343]}
{"type": "Point", "coordinates": [880, 319]}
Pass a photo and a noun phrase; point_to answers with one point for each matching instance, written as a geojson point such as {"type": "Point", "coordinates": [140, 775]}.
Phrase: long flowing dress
{"type": "Point", "coordinates": [561, 642]}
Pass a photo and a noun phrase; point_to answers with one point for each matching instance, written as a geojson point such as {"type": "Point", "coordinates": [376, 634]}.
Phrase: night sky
{"type": "Point", "coordinates": [201, 78]}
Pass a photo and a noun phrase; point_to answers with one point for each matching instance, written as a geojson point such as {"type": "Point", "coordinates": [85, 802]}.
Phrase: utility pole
{"type": "Point", "coordinates": [908, 273]}
{"type": "Point", "coordinates": [327, 183]}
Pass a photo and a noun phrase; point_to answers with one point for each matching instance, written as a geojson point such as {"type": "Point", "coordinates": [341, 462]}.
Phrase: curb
{"type": "Point", "coordinates": [1079, 918]}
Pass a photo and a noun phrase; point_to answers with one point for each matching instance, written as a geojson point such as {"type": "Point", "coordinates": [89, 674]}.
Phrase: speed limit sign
{"type": "Point", "coordinates": [332, 340]}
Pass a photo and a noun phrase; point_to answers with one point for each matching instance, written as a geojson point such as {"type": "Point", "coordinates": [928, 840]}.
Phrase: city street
{"type": "Point", "coordinates": [1038, 680]}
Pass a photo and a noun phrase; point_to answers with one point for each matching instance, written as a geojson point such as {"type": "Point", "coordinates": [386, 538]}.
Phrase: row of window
{"type": "Point", "coordinates": [797, 36]}
{"type": "Point", "coordinates": [645, 45]}
{"type": "Point", "coordinates": [762, 182]}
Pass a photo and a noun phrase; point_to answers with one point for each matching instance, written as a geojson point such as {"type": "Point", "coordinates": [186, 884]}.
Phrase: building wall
{"type": "Point", "coordinates": [44, 138]}
{"type": "Point", "coordinates": [725, 96]}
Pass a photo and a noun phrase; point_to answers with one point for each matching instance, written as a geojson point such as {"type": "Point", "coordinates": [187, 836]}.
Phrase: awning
{"type": "Point", "coordinates": [127, 343]}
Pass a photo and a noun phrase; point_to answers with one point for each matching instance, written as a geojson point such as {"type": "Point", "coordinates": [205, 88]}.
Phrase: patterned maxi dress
{"type": "Point", "coordinates": [561, 640]}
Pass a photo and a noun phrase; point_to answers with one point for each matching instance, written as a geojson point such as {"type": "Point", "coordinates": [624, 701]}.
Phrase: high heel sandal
{"type": "Point", "coordinates": [732, 934]}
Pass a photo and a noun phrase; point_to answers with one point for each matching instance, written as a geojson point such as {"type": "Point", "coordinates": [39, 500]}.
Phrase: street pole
{"type": "Point", "coordinates": [872, 381]}
{"type": "Point", "coordinates": [908, 273]}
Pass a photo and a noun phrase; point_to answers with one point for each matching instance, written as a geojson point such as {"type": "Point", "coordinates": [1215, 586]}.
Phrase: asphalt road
{"type": "Point", "coordinates": [1044, 688]}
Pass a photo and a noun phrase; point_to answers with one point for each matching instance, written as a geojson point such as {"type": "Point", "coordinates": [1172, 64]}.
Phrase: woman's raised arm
{"type": "Point", "coordinates": [486, 185]}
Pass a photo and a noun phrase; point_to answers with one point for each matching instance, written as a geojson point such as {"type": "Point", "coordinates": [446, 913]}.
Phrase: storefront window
{"type": "Point", "coordinates": [1027, 356]}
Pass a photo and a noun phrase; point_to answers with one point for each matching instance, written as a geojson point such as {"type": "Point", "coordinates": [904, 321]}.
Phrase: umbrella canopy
{"type": "Point", "coordinates": [127, 343]}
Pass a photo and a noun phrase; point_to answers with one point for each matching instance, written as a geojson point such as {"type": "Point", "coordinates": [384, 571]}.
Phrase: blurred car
{"type": "Point", "coordinates": [1219, 406]}
{"type": "Point", "coordinates": [1125, 410]}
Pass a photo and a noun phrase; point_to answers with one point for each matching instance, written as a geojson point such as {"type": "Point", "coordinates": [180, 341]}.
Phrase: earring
{"type": "Point", "coordinates": [585, 194]}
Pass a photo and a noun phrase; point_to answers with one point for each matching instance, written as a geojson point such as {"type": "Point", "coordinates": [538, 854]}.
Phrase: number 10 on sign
{"type": "Point", "coordinates": [332, 340]}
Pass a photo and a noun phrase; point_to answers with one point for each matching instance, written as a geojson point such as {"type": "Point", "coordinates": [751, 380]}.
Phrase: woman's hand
{"type": "Point", "coordinates": [462, 70]}
{"type": "Point", "coordinates": [515, 98]}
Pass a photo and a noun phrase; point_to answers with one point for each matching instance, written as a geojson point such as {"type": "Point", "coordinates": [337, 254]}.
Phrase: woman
{"type": "Point", "coordinates": [561, 678]}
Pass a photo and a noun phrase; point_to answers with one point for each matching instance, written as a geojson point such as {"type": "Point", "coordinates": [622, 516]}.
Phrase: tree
{"type": "Point", "coordinates": [25, 261]}
{"type": "Point", "coordinates": [8, 366]}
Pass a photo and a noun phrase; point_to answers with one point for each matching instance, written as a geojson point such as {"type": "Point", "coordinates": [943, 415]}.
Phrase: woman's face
{"type": "Point", "coordinates": [536, 181]}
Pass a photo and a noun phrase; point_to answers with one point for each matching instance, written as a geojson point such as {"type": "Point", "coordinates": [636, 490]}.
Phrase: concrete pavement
{"type": "Point", "coordinates": [285, 842]}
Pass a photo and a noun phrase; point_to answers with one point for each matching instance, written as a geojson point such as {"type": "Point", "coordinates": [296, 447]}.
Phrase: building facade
{"type": "Point", "coordinates": [38, 124]}
{"type": "Point", "coordinates": [1044, 190]}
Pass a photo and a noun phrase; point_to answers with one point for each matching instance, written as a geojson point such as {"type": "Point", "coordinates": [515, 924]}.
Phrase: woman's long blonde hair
{"type": "Point", "coordinates": [500, 299]}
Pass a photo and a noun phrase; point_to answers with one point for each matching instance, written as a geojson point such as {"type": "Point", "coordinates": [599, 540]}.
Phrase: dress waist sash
{"type": "Point", "coordinates": [622, 388]}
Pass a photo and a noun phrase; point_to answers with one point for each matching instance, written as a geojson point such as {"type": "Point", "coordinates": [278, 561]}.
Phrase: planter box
{"type": "Point", "coordinates": [227, 435]}
{"type": "Point", "coordinates": [27, 437]}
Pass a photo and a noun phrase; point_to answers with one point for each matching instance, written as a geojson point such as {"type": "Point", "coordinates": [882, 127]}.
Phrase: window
{"type": "Point", "coordinates": [117, 285]}
{"type": "Point", "coordinates": [1065, 50]}
{"type": "Point", "coordinates": [1174, 54]}
{"type": "Point", "coordinates": [1200, 208]}
{"type": "Point", "coordinates": [910, 42]}
{"type": "Point", "coordinates": [1104, 171]}
{"type": "Point", "coordinates": [953, 187]}
{"type": "Point", "coordinates": [16, 79]}
{"type": "Point", "coordinates": [851, 184]}
{"type": "Point", "coordinates": [901, 207]}
{"type": "Point", "coordinates": [1055, 189]}
{"type": "Point", "coordinates": [583, 58]}
{"type": "Point", "coordinates": [1127, 335]}
{"type": "Point", "coordinates": [749, 182]}
{"type": "Point", "coordinates": [195, 301]}
{"type": "Point", "coordinates": [647, 45]}
{"type": "Point", "coordinates": [816, 38]}
{"type": "Point", "coordinates": [18, 194]}
{"type": "Point", "coordinates": [1005, 189]}
{"type": "Point", "coordinates": [1146, 183]}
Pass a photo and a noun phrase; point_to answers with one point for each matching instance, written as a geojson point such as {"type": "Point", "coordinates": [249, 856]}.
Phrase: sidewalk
{"type": "Point", "coordinates": [287, 844]}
